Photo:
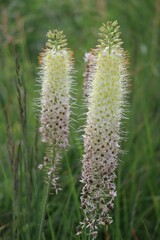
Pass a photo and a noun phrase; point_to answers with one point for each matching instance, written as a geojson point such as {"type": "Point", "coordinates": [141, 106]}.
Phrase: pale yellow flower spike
{"type": "Point", "coordinates": [102, 131]}
{"type": "Point", "coordinates": [56, 80]}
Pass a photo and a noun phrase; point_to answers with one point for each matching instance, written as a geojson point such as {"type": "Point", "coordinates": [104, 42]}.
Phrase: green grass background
{"type": "Point", "coordinates": [23, 25]}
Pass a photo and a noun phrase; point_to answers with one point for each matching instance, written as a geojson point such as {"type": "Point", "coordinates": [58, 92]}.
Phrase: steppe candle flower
{"type": "Point", "coordinates": [56, 78]}
{"type": "Point", "coordinates": [102, 131]}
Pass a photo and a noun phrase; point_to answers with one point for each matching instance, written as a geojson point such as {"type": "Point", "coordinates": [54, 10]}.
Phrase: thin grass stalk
{"type": "Point", "coordinates": [25, 169]}
{"type": "Point", "coordinates": [73, 189]}
{"type": "Point", "coordinates": [14, 161]}
{"type": "Point", "coordinates": [53, 237]}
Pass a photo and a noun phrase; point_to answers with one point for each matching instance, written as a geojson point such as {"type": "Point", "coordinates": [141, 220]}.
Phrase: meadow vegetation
{"type": "Point", "coordinates": [23, 28]}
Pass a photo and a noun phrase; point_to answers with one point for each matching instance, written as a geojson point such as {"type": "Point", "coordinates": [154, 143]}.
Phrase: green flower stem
{"type": "Point", "coordinates": [45, 200]}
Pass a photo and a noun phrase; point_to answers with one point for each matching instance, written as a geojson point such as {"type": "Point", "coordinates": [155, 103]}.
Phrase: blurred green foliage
{"type": "Point", "coordinates": [23, 28]}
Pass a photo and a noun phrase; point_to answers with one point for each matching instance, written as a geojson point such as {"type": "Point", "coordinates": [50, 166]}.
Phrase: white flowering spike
{"type": "Point", "coordinates": [56, 68]}
{"type": "Point", "coordinates": [56, 78]}
{"type": "Point", "coordinates": [102, 131]}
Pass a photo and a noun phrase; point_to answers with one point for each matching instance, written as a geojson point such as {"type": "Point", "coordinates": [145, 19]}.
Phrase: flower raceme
{"type": "Point", "coordinates": [56, 79]}
{"type": "Point", "coordinates": [55, 101]}
{"type": "Point", "coordinates": [102, 131]}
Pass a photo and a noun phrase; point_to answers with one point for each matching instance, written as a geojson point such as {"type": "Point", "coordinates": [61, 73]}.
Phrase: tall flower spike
{"type": "Point", "coordinates": [102, 131]}
{"type": "Point", "coordinates": [56, 78]}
